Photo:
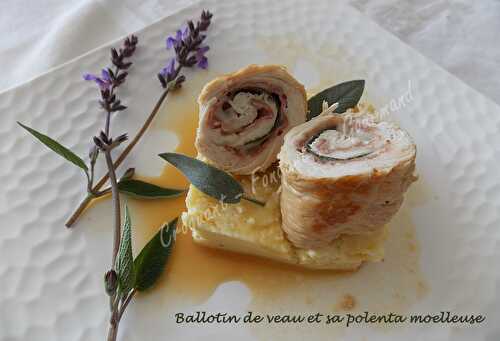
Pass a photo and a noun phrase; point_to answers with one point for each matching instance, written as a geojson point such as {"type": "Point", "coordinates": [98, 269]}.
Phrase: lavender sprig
{"type": "Point", "coordinates": [108, 82]}
{"type": "Point", "coordinates": [189, 51]}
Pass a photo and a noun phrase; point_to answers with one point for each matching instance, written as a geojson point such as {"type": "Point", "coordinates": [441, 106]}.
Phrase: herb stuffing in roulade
{"type": "Point", "coordinates": [343, 175]}
{"type": "Point", "coordinates": [245, 115]}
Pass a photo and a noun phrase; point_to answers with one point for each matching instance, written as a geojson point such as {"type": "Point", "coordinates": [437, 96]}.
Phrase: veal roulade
{"type": "Point", "coordinates": [343, 175]}
{"type": "Point", "coordinates": [244, 116]}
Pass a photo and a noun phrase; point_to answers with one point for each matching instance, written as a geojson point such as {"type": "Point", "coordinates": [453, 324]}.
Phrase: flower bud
{"type": "Point", "coordinates": [93, 153]}
{"type": "Point", "coordinates": [99, 143]}
{"type": "Point", "coordinates": [162, 80]}
{"type": "Point", "coordinates": [191, 61]}
{"type": "Point", "coordinates": [110, 282]}
{"type": "Point", "coordinates": [179, 81]}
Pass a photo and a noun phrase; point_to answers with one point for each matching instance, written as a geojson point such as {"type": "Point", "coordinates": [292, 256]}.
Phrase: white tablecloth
{"type": "Point", "coordinates": [462, 36]}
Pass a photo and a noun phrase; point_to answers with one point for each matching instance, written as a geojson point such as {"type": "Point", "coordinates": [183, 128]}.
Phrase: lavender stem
{"type": "Point", "coordinates": [116, 205]}
{"type": "Point", "coordinates": [113, 331]}
{"type": "Point", "coordinates": [115, 197]}
{"type": "Point", "coordinates": [108, 121]}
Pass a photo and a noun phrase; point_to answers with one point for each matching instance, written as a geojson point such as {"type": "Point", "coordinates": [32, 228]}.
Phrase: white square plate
{"type": "Point", "coordinates": [444, 246]}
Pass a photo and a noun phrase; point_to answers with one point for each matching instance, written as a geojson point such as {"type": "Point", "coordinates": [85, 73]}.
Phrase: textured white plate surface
{"type": "Point", "coordinates": [51, 278]}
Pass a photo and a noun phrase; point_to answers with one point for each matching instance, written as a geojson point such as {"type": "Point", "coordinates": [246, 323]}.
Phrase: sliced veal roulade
{"type": "Point", "coordinates": [244, 116]}
{"type": "Point", "coordinates": [343, 175]}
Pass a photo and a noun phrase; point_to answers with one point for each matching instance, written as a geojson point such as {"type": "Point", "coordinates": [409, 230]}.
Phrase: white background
{"type": "Point", "coordinates": [37, 35]}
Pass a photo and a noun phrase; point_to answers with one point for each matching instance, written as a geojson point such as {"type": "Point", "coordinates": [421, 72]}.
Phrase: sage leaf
{"type": "Point", "coordinates": [347, 94]}
{"type": "Point", "coordinates": [208, 179]}
{"type": "Point", "coordinates": [141, 189]}
{"type": "Point", "coordinates": [57, 147]}
{"type": "Point", "coordinates": [255, 201]}
{"type": "Point", "coordinates": [125, 259]}
{"type": "Point", "coordinates": [151, 261]}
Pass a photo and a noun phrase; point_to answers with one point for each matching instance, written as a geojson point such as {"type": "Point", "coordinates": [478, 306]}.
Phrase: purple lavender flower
{"type": "Point", "coordinates": [202, 60]}
{"type": "Point", "coordinates": [173, 41]}
{"type": "Point", "coordinates": [189, 51]}
{"type": "Point", "coordinates": [180, 36]}
{"type": "Point", "coordinates": [168, 71]}
{"type": "Point", "coordinates": [110, 80]}
{"type": "Point", "coordinates": [185, 33]}
{"type": "Point", "coordinates": [104, 82]}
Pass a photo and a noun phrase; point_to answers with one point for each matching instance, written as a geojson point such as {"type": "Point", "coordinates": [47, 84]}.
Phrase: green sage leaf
{"type": "Point", "coordinates": [125, 259]}
{"type": "Point", "coordinates": [57, 147]}
{"type": "Point", "coordinates": [208, 179]}
{"type": "Point", "coordinates": [151, 261]}
{"type": "Point", "coordinates": [347, 94]}
{"type": "Point", "coordinates": [146, 190]}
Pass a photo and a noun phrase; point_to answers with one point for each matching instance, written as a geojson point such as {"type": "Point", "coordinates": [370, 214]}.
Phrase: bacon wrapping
{"type": "Point", "coordinates": [245, 115]}
{"type": "Point", "coordinates": [343, 175]}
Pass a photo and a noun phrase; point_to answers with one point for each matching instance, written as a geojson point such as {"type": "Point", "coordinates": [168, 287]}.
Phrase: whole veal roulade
{"type": "Point", "coordinates": [244, 116]}
{"type": "Point", "coordinates": [342, 174]}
